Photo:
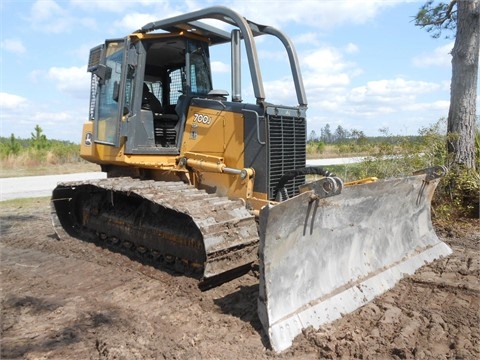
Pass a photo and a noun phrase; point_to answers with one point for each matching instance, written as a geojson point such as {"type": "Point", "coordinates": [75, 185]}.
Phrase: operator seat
{"type": "Point", "coordinates": [150, 101]}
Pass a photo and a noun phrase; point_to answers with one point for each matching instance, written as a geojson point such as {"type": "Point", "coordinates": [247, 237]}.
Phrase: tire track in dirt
{"type": "Point", "coordinates": [72, 299]}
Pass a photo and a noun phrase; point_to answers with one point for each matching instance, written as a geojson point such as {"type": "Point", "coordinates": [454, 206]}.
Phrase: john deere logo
{"type": "Point", "coordinates": [88, 139]}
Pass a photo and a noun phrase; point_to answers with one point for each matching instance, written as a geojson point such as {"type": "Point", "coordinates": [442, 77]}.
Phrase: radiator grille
{"type": "Point", "coordinates": [286, 151]}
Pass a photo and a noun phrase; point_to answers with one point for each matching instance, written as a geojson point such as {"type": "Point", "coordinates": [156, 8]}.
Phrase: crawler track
{"type": "Point", "coordinates": [199, 234]}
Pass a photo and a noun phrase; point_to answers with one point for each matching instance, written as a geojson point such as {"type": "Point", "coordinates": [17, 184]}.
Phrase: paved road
{"type": "Point", "coordinates": [337, 161]}
{"type": "Point", "coordinates": [38, 186]}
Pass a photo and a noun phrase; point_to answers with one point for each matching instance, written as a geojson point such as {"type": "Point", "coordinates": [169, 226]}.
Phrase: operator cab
{"type": "Point", "coordinates": [121, 108]}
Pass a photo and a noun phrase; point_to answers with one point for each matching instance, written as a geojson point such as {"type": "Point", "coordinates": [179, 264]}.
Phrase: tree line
{"type": "Point", "coordinates": [340, 134]}
{"type": "Point", "coordinates": [37, 147]}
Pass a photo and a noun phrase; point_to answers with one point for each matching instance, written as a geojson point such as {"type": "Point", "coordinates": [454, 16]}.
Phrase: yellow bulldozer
{"type": "Point", "coordinates": [203, 183]}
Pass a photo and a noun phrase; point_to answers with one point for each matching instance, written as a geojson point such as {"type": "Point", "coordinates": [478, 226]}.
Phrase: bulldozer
{"type": "Point", "coordinates": [203, 183]}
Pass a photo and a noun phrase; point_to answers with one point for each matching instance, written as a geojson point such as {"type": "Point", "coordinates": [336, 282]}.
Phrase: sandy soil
{"type": "Point", "coordinates": [71, 299]}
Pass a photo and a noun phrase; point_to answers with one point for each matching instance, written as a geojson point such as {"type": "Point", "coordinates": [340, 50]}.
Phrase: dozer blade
{"type": "Point", "coordinates": [324, 256]}
{"type": "Point", "coordinates": [177, 225]}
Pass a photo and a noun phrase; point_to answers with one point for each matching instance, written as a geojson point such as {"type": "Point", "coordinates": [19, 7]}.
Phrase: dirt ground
{"type": "Point", "coordinates": [72, 299]}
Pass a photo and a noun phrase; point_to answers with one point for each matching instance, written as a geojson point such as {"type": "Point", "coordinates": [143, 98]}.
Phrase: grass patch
{"type": "Point", "coordinates": [21, 206]}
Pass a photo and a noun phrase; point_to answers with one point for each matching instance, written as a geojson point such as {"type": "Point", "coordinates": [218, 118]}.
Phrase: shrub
{"type": "Point", "coordinates": [315, 147]}
{"type": "Point", "coordinates": [457, 194]}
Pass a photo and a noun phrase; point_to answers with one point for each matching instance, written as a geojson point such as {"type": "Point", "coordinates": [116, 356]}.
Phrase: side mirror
{"type": "Point", "coordinates": [103, 72]}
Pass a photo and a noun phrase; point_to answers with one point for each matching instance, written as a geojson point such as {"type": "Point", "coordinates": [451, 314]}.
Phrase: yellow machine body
{"type": "Point", "coordinates": [203, 183]}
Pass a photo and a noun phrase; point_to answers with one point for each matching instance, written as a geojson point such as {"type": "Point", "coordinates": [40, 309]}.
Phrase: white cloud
{"type": "Point", "coordinates": [319, 14]}
{"type": "Point", "coordinates": [351, 48]}
{"type": "Point", "coordinates": [44, 10]}
{"type": "Point", "coordinates": [267, 56]}
{"type": "Point", "coordinates": [391, 90]}
{"type": "Point", "coordinates": [142, 12]}
{"type": "Point", "coordinates": [440, 57]}
{"type": "Point", "coordinates": [364, 107]}
{"type": "Point", "coordinates": [51, 118]}
{"type": "Point", "coordinates": [11, 101]}
{"type": "Point", "coordinates": [324, 59]}
{"type": "Point", "coordinates": [48, 16]}
{"type": "Point", "coordinates": [113, 6]}
{"type": "Point", "coordinates": [73, 80]}
{"type": "Point", "coordinates": [14, 46]}
{"type": "Point", "coordinates": [60, 125]}
{"type": "Point", "coordinates": [310, 38]}
{"type": "Point", "coordinates": [280, 92]}
{"type": "Point", "coordinates": [326, 82]}
{"type": "Point", "coordinates": [35, 76]}
{"type": "Point", "coordinates": [435, 105]}
{"type": "Point", "coordinates": [134, 21]}
{"type": "Point", "coordinates": [220, 67]}
{"type": "Point", "coordinates": [390, 96]}
{"type": "Point", "coordinates": [89, 23]}
{"type": "Point", "coordinates": [81, 52]}
{"type": "Point", "coordinates": [326, 71]}
{"type": "Point", "coordinates": [99, 6]}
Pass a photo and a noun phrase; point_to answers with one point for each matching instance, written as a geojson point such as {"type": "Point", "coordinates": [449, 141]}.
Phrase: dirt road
{"type": "Point", "coordinates": [71, 299]}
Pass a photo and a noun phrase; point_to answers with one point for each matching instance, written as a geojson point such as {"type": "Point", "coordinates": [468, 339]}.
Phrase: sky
{"type": "Point", "coordinates": [365, 65]}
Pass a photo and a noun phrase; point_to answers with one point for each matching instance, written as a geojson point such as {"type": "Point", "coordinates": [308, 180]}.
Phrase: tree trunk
{"type": "Point", "coordinates": [463, 94]}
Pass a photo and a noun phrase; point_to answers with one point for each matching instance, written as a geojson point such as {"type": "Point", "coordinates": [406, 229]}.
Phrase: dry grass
{"type": "Point", "coordinates": [333, 152]}
{"type": "Point", "coordinates": [44, 162]}
{"type": "Point", "coordinates": [35, 168]}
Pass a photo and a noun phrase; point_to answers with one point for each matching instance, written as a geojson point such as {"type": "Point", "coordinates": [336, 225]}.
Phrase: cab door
{"type": "Point", "coordinates": [110, 94]}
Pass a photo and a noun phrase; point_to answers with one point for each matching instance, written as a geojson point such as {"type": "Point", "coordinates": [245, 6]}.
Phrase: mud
{"type": "Point", "coordinates": [72, 299]}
